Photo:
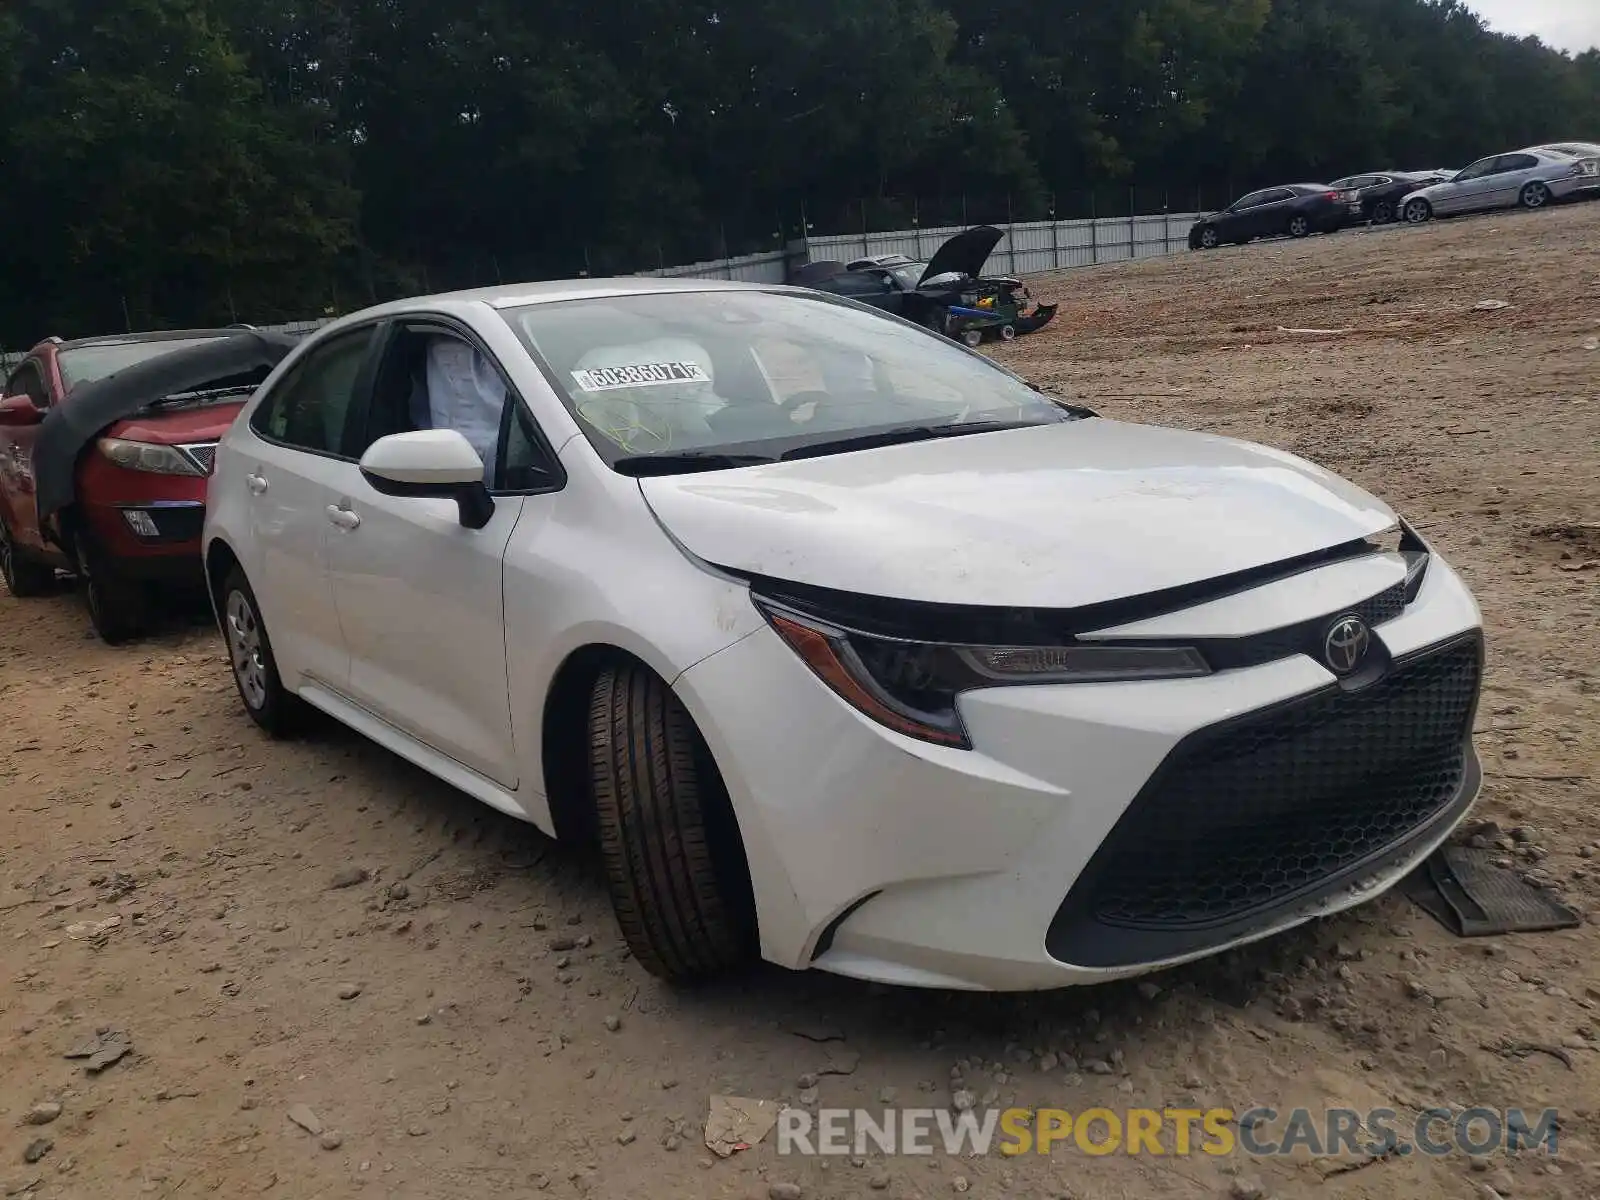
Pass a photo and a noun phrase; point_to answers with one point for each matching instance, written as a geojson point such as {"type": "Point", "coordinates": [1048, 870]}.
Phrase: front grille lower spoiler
{"type": "Point", "coordinates": [1275, 811]}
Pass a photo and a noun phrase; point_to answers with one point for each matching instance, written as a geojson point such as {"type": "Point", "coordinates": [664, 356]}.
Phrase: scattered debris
{"type": "Point", "coordinates": [349, 877]}
{"type": "Point", "coordinates": [735, 1123]}
{"type": "Point", "coordinates": [349, 991]}
{"type": "Point", "coordinates": [331, 1140]}
{"type": "Point", "coordinates": [1315, 332]}
{"type": "Point", "coordinates": [79, 930]}
{"type": "Point", "coordinates": [302, 1116]}
{"type": "Point", "coordinates": [106, 1048]}
{"type": "Point", "coordinates": [1524, 1049]}
{"type": "Point", "coordinates": [612, 1023]}
{"type": "Point", "coordinates": [42, 1113]}
{"type": "Point", "coordinates": [1491, 305]}
{"type": "Point", "coordinates": [841, 1061]}
{"type": "Point", "coordinates": [816, 1031]}
{"type": "Point", "coordinates": [37, 1149]}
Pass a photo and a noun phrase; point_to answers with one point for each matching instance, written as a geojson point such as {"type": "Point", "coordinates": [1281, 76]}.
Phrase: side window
{"type": "Point", "coordinates": [433, 379]}
{"type": "Point", "coordinates": [309, 407]}
{"type": "Point", "coordinates": [1478, 169]}
{"type": "Point", "coordinates": [527, 466]}
{"type": "Point", "coordinates": [28, 381]}
{"type": "Point", "coordinates": [1248, 201]}
{"type": "Point", "coordinates": [1515, 162]}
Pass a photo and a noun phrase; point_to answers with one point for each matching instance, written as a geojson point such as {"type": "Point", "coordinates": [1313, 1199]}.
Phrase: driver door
{"type": "Point", "coordinates": [419, 595]}
{"type": "Point", "coordinates": [1470, 190]}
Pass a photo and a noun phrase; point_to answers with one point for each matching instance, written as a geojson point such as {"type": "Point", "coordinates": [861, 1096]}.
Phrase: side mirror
{"type": "Point", "coordinates": [18, 411]}
{"type": "Point", "coordinates": [431, 462]}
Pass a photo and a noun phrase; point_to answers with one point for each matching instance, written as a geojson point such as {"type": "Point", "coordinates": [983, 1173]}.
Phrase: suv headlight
{"type": "Point", "coordinates": [148, 456]}
{"type": "Point", "coordinates": [911, 687]}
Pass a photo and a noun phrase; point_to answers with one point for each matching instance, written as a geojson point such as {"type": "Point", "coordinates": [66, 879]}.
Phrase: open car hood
{"type": "Point", "coordinates": [1056, 516]}
{"type": "Point", "coordinates": [87, 410]}
{"type": "Point", "coordinates": [965, 254]}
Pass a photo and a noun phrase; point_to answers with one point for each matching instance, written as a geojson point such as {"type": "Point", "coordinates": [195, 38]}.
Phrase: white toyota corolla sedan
{"type": "Point", "coordinates": [848, 647]}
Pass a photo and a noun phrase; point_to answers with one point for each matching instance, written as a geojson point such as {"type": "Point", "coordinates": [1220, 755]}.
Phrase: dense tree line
{"type": "Point", "coordinates": [180, 161]}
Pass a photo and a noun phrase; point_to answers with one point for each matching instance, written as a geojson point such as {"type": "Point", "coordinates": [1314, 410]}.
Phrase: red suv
{"type": "Point", "coordinates": [138, 485]}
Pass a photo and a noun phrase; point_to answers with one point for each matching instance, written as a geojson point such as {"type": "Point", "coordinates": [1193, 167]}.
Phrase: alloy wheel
{"type": "Point", "coordinates": [1535, 195]}
{"type": "Point", "coordinates": [1209, 239]}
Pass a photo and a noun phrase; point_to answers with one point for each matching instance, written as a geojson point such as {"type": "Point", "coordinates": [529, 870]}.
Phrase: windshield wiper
{"type": "Point", "coordinates": [684, 462]}
{"type": "Point", "coordinates": [908, 433]}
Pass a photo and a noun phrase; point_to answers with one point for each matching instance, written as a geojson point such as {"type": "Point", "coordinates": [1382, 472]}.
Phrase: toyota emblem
{"type": "Point", "coordinates": [1346, 645]}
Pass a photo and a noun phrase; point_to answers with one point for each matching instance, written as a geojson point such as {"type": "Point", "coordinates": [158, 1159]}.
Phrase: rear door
{"type": "Point", "coordinates": [296, 462]}
{"type": "Point", "coordinates": [17, 488]}
{"type": "Point", "coordinates": [1512, 172]}
{"type": "Point", "coordinates": [1271, 216]}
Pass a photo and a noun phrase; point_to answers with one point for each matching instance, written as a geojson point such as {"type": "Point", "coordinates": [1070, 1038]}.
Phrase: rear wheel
{"type": "Point", "coordinates": [1008, 333]}
{"type": "Point", "coordinates": [1383, 212]}
{"type": "Point", "coordinates": [1535, 195]}
{"type": "Point", "coordinates": [22, 576]}
{"type": "Point", "coordinates": [973, 338]}
{"type": "Point", "coordinates": [119, 608]}
{"type": "Point", "coordinates": [1299, 226]}
{"type": "Point", "coordinates": [674, 862]}
{"type": "Point", "coordinates": [1418, 212]}
{"type": "Point", "coordinates": [255, 670]}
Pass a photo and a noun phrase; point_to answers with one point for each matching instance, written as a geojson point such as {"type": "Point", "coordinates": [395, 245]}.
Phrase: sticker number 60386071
{"type": "Point", "coordinates": [607, 379]}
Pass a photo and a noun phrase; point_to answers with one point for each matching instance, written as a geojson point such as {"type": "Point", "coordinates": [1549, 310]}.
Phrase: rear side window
{"type": "Point", "coordinates": [27, 381]}
{"type": "Point", "coordinates": [309, 407]}
{"type": "Point", "coordinates": [1515, 162]}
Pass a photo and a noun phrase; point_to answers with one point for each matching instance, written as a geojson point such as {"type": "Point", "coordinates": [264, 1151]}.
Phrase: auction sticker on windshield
{"type": "Point", "coordinates": [610, 379]}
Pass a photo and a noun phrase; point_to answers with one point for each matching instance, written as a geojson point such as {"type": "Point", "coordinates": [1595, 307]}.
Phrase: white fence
{"type": "Point", "coordinates": [1029, 248]}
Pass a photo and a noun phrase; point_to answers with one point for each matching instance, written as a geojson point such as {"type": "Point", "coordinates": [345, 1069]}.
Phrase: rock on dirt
{"type": "Point", "coordinates": [349, 877]}
{"type": "Point", "coordinates": [42, 1113]}
{"type": "Point", "coordinates": [303, 1116]}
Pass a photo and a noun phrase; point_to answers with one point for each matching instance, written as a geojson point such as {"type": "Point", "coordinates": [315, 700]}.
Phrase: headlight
{"type": "Point", "coordinates": [147, 456]}
{"type": "Point", "coordinates": [911, 687]}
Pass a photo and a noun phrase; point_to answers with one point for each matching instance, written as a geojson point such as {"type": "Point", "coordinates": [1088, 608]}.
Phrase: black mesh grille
{"type": "Point", "coordinates": [1256, 813]}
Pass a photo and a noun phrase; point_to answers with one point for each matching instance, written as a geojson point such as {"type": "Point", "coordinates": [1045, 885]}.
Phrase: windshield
{"type": "Point", "coordinates": [758, 374]}
{"type": "Point", "coordinates": [86, 364]}
{"type": "Point", "coordinates": [909, 275]}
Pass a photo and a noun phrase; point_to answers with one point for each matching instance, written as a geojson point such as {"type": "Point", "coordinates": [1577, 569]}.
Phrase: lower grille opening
{"type": "Point", "coordinates": [1262, 813]}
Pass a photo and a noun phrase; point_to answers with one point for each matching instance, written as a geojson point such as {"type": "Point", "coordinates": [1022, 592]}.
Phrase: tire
{"type": "Point", "coordinates": [119, 608]}
{"type": "Point", "coordinates": [1210, 239]}
{"type": "Point", "coordinates": [1417, 212]}
{"type": "Point", "coordinates": [972, 338]}
{"type": "Point", "coordinates": [255, 670]}
{"type": "Point", "coordinates": [1300, 226]}
{"type": "Point", "coordinates": [1383, 212]}
{"type": "Point", "coordinates": [22, 577]}
{"type": "Point", "coordinates": [1535, 196]}
{"type": "Point", "coordinates": [673, 860]}
{"type": "Point", "coordinates": [1008, 333]}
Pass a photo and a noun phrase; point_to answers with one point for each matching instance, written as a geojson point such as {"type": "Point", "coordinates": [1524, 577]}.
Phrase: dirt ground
{"type": "Point", "coordinates": [168, 873]}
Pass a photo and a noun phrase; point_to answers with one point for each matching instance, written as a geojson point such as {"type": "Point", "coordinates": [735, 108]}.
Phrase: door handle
{"type": "Point", "coordinates": [256, 483]}
{"type": "Point", "coordinates": [344, 518]}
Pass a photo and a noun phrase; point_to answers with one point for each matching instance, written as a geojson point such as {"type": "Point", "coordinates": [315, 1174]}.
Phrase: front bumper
{"type": "Point", "coordinates": [888, 859]}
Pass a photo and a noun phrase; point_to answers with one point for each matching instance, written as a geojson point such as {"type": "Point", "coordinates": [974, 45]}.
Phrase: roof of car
{"type": "Point", "coordinates": [514, 295]}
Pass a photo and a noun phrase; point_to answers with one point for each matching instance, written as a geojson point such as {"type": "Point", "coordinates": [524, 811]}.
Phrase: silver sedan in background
{"type": "Point", "coordinates": [1531, 178]}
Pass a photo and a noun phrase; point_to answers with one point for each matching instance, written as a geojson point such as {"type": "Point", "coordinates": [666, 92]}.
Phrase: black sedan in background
{"type": "Point", "coordinates": [1377, 195]}
{"type": "Point", "coordinates": [1296, 210]}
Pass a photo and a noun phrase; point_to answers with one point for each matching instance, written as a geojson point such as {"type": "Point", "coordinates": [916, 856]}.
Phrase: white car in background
{"type": "Point", "coordinates": [1532, 179]}
{"type": "Point", "coordinates": [848, 647]}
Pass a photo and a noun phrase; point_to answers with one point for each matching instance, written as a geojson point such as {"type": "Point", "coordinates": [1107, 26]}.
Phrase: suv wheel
{"type": "Point", "coordinates": [119, 608]}
{"type": "Point", "coordinates": [23, 578]}
{"type": "Point", "coordinates": [673, 859]}
{"type": "Point", "coordinates": [255, 670]}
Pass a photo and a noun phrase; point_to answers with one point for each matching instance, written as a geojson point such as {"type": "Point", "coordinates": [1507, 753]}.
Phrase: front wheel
{"type": "Point", "coordinates": [119, 608]}
{"type": "Point", "coordinates": [23, 577]}
{"type": "Point", "coordinates": [1535, 195]}
{"type": "Point", "coordinates": [973, 338]}
{"type": "Point", "coordinates": [674, 862]}
{"type": "Point", "coordinates": [255, 670]}
{"type": "Point", "coordinates": [1210, 239]}
{"type": "Point", "coordinates": [1300, 227]}
{"type": "Point", "coordinates": [1418, 212]}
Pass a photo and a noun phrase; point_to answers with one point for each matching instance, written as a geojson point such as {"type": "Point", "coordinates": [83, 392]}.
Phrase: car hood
{"type": "Point", "coordinates": [965, 254]}
{"type": "Point", "coordinates": [177, 426]}
{"type": "Point", "coordinates": [1432, 189]}
{"type": "Point", "coordinates": [1056, 516]}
